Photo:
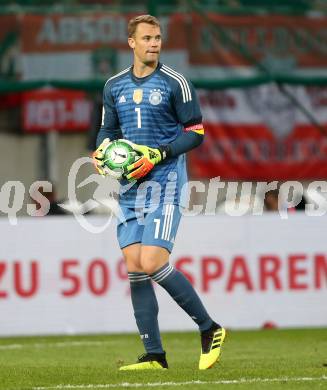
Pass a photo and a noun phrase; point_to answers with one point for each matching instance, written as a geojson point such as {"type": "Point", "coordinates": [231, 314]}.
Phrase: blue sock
{"type": "Point", "coordinates": [145, 311]}
{"type": "Point", "coordinates": [181, 290]}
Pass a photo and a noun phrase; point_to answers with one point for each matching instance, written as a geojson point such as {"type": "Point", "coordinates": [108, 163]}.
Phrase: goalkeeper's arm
{"type": "Point", "coordinates": [191, 138]}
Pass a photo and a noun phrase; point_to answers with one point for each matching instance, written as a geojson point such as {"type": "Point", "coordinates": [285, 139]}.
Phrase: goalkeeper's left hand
{"type": "Point", "coordinates": [149, 158]}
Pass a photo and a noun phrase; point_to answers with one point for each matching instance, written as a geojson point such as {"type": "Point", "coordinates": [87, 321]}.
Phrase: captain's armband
{"type": "Point", "coordinates": [199, 129]}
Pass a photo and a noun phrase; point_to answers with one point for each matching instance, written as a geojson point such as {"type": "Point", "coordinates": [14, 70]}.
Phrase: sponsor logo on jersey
{"type": "Point", "coordinates": [122, 99]}
{"type": "Point", "coordinates": [138, 96]}
{"type": "Point", "coordinates": [155, 97]}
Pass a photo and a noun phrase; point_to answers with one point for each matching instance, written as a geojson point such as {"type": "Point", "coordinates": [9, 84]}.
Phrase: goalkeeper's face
{"type": "Point", "coordinates": [146, 43]}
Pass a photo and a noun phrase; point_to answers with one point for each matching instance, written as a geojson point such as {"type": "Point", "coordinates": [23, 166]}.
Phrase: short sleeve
{"type": "Point", "coordinates": [186, 103]}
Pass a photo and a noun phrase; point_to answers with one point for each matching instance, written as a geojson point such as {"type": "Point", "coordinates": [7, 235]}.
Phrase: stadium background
{"type": "Point", "coordinates": [260, 71]}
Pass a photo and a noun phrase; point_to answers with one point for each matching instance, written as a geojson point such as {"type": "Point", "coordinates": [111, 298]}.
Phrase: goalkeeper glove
{"type": "Point", "coordinates": [98, 161]}
{"type": "Point", "coordinates": [149, 158]}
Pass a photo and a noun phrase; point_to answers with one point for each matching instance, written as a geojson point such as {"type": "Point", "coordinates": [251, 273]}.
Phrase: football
{"type": "Point", "coordinates": [118, 155]}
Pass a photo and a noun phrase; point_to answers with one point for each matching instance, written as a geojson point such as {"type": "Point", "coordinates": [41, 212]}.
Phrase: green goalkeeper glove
{"type": "Point", "coordinates": [98, 161]}
{"type": "Point", "coordinates": [149, 158]}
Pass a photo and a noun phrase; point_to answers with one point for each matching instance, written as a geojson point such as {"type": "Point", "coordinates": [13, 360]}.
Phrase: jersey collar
{"type": "Point", "coordinates": [141, 80]}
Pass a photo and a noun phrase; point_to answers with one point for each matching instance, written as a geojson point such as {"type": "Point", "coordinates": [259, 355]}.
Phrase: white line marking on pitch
{"type": "Point", "coordinates": [62, 344]}
{"type": "Point", "coordinates": [156, 384]}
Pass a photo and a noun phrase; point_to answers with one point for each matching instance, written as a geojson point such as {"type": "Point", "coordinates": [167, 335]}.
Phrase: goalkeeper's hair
{"type": "Point", "coordinates": [133, 23]}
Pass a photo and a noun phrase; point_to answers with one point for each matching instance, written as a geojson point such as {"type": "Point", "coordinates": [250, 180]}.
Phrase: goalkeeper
{"type": "Point", "coordinates": [156, 109]}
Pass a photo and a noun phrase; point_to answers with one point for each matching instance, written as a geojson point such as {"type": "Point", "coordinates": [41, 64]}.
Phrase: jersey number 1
{"type": "Point", "coordinates": [139, 123]}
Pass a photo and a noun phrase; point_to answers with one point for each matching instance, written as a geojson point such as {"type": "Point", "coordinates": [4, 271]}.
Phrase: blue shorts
{"type": "Point", "coordinates": [157, 228]}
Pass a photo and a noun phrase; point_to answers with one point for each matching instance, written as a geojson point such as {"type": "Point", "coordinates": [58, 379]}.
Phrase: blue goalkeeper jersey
{"type": "Point", "coordinates": [151, 111]}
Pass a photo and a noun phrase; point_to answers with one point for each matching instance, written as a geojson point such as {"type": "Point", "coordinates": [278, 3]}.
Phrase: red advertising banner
{"type": "Point", "coordinates": [211, 39]}
{"type": "Point", "coordinates": [258, 134]}
{"type": "Point", "coordinates": [78, 32]}
{"type": "Point", "coordinates": [61, 110]}
{"type": "Point", "coordinates": [80, 46]}
{"type": "Point", "coordinates": [296, 41]}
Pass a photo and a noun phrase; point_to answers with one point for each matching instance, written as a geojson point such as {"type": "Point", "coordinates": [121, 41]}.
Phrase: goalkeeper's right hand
{"type": "Point", "coordinates": [98, 161]}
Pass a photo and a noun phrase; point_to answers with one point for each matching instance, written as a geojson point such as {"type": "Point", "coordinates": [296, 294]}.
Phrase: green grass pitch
{"type": "Point", "coordinates": [265, 359]}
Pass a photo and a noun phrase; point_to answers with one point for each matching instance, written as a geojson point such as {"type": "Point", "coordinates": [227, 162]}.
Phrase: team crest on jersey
{"type": "Point", "coordinates": [138, 96]}
{"type": "Point", "coordinates": [155, 97]}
